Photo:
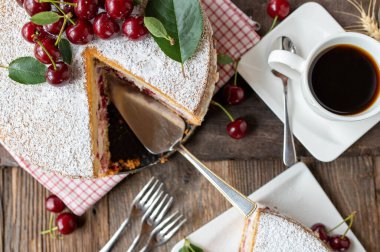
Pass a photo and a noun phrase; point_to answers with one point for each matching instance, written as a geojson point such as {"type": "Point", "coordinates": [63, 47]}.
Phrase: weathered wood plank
{"type": "Point", "coordinates": [349, 182]}
{"type": "Point", "coordinates": [377, 185]}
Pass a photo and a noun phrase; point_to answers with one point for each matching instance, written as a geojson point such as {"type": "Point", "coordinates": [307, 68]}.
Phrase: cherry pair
{"type": "Point", "coordinates": [66, 222]}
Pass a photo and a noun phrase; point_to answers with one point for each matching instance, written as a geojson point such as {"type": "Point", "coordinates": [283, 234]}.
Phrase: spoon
{"type": "Point", "coordinates": [289, 154]}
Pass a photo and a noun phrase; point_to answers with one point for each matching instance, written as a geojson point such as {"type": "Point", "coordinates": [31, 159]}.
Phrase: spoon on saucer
{"type": "Point", "coordinates": [289, 153]}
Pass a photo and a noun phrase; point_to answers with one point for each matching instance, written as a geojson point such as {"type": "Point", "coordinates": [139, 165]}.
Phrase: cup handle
{"type": "Point", "coordinates": [287, 63]}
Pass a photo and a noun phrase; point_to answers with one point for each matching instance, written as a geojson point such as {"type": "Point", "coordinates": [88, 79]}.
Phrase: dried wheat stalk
{"type": "Point", "coordinates": [366, 22]}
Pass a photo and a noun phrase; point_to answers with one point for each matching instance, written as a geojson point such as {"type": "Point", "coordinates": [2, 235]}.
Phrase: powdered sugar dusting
{"type": "Point", "coordinates": [278, 233]}
{"type": "Point", "coordinates": [145, 59]}
{"type": "Point", "coordinates": [48, 126]}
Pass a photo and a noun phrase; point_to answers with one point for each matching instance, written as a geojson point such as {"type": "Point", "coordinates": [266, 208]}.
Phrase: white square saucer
{"type": "Point", "coordinates": [325, 139]}
{"type": "Point", "coordinates": [295, 193]}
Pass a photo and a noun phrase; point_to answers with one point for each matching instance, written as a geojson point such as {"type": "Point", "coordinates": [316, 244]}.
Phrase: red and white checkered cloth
{"type": "Point", "coordinates": [234, 33]}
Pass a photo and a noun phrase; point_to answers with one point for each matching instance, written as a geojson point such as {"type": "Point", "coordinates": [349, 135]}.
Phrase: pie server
{"type": "Point", "coordinates": [160, 130]}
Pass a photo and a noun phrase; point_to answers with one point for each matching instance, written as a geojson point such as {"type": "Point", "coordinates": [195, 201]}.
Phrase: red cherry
{"type": "Point", "coordinates": [67, 8]}
{"type": "Point", "coordinates": [119, 9]}
{"type": "Point", "coordinates": [233, 94]}
{"type": "Point", "coordinates": [237, 129]}
{"type": "Point", "coordinates": [86, 9]}
{"type": "Point", "coordinates": [133, 28]}
{"type": "Point", "coordinates": [81, 33]}
{"type": "Point", "coordinates": [54, 28]}
{"type": "Point", "coordinates": [54, 204]}
{"type": "Point", "coordinates": [31, 31]}
{"type": "Point", "coordinates": [33, 7]}
{"type": "Point", "coordinates": [66, 223]}
{"type": "Point", "coordinates": [104, 26]}
{"type": "Point", "coordinates": [278, 8]}
{"type": "Point", "coordinates": [339, 243]}
{"type": "Point", "coordinates": [321, 232]}
{"type": "Point", "coordinates": [58, 76]}
{"type": "Point", "coordinates": [20, 2]}
{"type": "Point", "coordinates": [48, 44]}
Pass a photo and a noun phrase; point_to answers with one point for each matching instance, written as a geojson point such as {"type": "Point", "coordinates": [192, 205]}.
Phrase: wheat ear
{"type": "Point", "coordinates": [367, 19]}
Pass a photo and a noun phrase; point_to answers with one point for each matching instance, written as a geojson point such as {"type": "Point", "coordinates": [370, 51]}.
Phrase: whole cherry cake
{"type": "Point", "coordinates": [63, 53]}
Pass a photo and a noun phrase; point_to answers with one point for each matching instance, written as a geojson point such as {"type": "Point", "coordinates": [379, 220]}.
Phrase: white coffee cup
{"type": "Point", "coordinates": [296, 67]}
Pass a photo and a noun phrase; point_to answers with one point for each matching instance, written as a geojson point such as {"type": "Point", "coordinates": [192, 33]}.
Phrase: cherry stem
{"type": "Point", "coordinates": [5, 67]}
{"type": "Point", "coordinates": [54, 1]}
{"type": "Point", "coordinates": [236, 63]}
{"type": "Point", "coordinates": [222, 108]}
{"type": "Point", "coordinates": [274, 23]}
{"type": "Point", "coordinates": [51, 224]}
{"type": "Point", "coordinates": [49, 231]}
{"type": "Point", "coordinates": [61, 32]}
{"type": "Point", "coordinates": [348, 218]}
{"type": "Point", "coordinates": [68, 16]}
{"type": "Point", "coordinates": [183, 70]}
{"type": "Point", "coordinates": [47, 53]}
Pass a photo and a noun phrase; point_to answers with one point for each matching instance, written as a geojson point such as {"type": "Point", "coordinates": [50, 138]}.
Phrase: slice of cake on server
{"type": "Point", "coordinates": [65, 130]}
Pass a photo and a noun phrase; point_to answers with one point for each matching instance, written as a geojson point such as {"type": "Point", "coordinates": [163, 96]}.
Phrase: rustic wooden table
{"type": "Point", "coordinates": [352, 181]}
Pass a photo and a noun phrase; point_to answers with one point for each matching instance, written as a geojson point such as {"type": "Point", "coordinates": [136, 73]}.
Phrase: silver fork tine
{"type": "Point", "coordinates": [175, 229]}
{"type": "Point", "coordinates": [165, 222]}
{"type": "Point", "coordinates": [164, 231]}
{"type": "Point", "coordinates": [155, 198]}
{"type": "Point", "coordinates": [165, 210]}
{"type": "Point", "coordinates": [158, 208]}
{"type": "Point", "coordinates": [169, 226]}
{"type": "Point", "coordinates": [144, 193]}
{"type": "Point", "coordinates": [148, 195]}
{"type": "Point", "coordinates": [144, 190]}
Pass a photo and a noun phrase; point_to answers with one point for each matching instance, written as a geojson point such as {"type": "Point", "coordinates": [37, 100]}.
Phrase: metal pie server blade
{"type": "Point", "coordinates": [157, 128]}
{"type": "Point", "coordinates": [161, 130]}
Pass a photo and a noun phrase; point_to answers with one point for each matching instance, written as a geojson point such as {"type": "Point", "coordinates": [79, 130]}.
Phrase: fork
{"type": "Point", "coordinates": [164, 231]}
{"type": "Point", "coordinates": [152, 216]}
{"type": "Point", "coordinates": [140, 204]}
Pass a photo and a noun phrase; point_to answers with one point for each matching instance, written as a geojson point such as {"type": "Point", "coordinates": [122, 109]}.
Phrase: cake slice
{"type": "Point", "coordinates": [65, 130]}
{"type": "Point", "coordinates": [269, 231]}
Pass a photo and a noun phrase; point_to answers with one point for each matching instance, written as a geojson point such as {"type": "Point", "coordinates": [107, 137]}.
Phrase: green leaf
{"type": "Point", "coordinates": [136, 2]}
{"type": "Point", "coordinates": [224, 59]}
{"type": "Point", "coordinates": [27, 70]}
{"type": "Point", "coordinates": [155, 27]}
{"type": "Point", "coordinates": [45, 17]}
{"type": "Point", "coordinates": [188, 247]}
{"type": "Point", "coordinates": [183, 21]}
{"type": "Point", "coordinates": [65, 49]}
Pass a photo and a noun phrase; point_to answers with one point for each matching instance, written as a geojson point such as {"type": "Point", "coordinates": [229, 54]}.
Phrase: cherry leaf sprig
{"type": "Point", "coordinates": [64, 47]}
{"type": "Point", "coordinates": [46, 17]}
{"type": "Point", "coordinates": [26, 70]}
{"type": "Point", "coordinates": [189, 247]}
{"type": "Point", "coordinates": [157, 29]}
{"type": "Point", "coordinates": [183, 22]}
{"type": "Point", "coordinates": [224, 59]}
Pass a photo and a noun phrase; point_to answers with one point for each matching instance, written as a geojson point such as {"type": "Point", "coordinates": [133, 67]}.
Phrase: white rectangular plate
{"type": "Point", "coordinates": [307, 26]}
{"type": "Point", "coordinates": [295, 193]}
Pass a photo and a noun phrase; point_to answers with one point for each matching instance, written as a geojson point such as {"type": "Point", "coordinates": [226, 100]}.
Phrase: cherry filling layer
{"type": "Point", "coordinates": [103, 122]}
{"type": "Point", "coordinates": [117, 146]}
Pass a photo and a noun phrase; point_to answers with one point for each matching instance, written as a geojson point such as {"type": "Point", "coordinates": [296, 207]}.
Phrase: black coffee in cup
{"type": "Point", "coordinates": [344, 79]}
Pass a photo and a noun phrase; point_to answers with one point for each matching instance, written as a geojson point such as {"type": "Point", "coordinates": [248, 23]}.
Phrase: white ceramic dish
{"type": "Point", "coordinates": [325, 139]}
{"type": "Point", "coordinates": [295, 192]}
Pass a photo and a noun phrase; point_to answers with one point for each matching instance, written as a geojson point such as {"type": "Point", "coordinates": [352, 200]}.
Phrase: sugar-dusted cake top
{"type": "Point", "coordinates": [48, 127]}
{"type": "Point", "coordinates": [268, 231]}
{"type": "Point", "coordinates": [277, 233]}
